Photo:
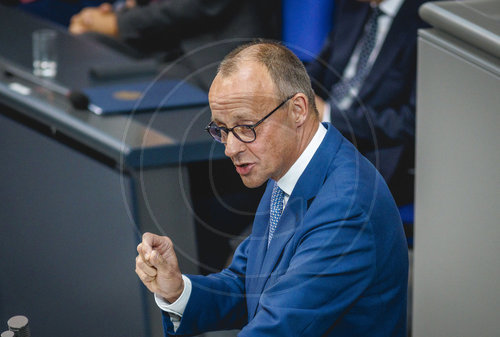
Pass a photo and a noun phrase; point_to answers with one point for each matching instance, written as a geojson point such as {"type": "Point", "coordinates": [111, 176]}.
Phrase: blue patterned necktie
{"type": "Point", "coordinates": [342, 88]}
{"type": "Point", "coordinates": [277, 199]}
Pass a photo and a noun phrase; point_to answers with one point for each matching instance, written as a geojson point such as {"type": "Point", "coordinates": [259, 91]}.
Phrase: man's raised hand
{"type": "Point", "coordinates": [157, 267]}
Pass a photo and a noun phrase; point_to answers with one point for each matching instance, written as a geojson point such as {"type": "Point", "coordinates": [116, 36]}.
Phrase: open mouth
{"type": "Point", "coordinates": [244, 169]}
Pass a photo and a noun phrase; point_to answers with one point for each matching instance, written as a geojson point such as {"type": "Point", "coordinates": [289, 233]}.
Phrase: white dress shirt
{"type": "Point", "coordinates": [289, 180]}
{"type": "Point", "coordinates": [287, 184]}
{"type": "Point", "coordinates": [389, 10]}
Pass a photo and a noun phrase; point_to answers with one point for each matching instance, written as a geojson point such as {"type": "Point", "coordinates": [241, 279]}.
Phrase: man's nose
{"type": "Point", "coordinates": [233, 145]}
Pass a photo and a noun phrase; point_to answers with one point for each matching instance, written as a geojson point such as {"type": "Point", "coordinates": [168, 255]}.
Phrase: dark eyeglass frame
{"type": "Point", "coordinates": [252, 127]}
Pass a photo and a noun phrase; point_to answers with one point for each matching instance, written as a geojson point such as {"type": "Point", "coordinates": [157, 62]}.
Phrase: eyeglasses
{"type": "Point", "coordinates": [245, 133]}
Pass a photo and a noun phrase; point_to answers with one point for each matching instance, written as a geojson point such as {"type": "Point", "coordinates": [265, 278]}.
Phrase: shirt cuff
{"type": "Point", "coordinates": [176, 310]}
{"type": "Point", "coordinates": [327, 109]}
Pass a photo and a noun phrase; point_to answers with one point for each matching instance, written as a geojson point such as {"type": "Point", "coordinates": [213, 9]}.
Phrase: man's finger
{"type": "Point", "coordinates": [144, 251]}
{"type": "Point", "coordinates": [143, 248]}
{"type": "Point", "coordinates": [152, 240]}
{"type": "Point", "coordinates": [75, 18]}
{"type": "Point", "coordinates": [87, 18]}
{"type": "Point", "coordinates": [90, 15]}
{"type": "Point", "coordinates": [77, 28]}
{"type": "Point", "coordinates": [158, 261]}
{"type": "Point", "coordinates": [147, 239]}
{"type": "Point", "coordinates": [145, 278]}
{"type": "Point", "coordinates": [160, 243]}
{"type": "Point", "coordinates": [145, 267]}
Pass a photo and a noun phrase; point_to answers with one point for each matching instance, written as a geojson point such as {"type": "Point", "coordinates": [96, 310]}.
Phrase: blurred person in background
{"type": "Point", "coordinates": [203, 31]}
{"type": "Point", "coordinates": [365, 82]}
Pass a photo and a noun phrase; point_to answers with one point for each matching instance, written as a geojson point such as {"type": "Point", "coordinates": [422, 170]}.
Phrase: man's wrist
{"type": "Point", "coordinates": [175, 296]}
{"type": "Point", "coordinates": [180, 304]}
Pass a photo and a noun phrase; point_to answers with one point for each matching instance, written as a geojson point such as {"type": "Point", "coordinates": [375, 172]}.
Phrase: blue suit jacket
{"type": "Point", "coordinates": [381, 123]}
{"type": "Point", "coordinates": [337, 264]}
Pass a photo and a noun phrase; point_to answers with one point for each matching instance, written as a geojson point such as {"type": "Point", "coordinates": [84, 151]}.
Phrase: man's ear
{"type": "Point", "coordinates": [299, 108]}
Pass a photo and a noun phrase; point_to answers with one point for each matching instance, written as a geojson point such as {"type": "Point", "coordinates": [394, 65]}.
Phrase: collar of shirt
{"type": "Point", "coordinates": [289, 180]}
{"type": "Point", "coordinates": [390, 7]}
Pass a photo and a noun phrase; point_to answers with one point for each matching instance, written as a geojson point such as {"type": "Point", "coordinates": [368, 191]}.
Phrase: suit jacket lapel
{"type": "Point", "coordinates": [291, 217]}
{"type": "Point", "coordinates": [257, 251]}
{"type": "Point", "coordinates": [305, 190]}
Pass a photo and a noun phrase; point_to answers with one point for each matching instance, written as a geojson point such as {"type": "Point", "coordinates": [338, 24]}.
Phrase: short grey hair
{"type": "Point", "coordinates": [286, 70]}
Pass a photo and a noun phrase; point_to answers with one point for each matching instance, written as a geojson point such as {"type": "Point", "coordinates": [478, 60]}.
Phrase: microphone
{"type": "Point", "coordinates": [78, 99]}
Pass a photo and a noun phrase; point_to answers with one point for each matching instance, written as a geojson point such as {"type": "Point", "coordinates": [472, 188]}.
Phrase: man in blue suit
{"type": "Point", "coordinates": [366, 73]}
{"type": "Point", "coordinates": [327, 254]}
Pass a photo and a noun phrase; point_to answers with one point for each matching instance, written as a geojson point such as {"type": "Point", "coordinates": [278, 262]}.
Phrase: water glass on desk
{"type": "Point", "coordinates": [45, 53]}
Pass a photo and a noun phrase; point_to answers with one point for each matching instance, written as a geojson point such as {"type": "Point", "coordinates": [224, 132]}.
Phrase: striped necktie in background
{"type": "Point", "coordinates": [342, 88]}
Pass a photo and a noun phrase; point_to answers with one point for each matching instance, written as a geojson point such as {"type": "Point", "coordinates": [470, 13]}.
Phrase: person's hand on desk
{"type": "Point", "coordinates": [157, 267]}
{"type": "Point", "coordinates": [100, 19]}
{"type": "Point", "coordinates": [76, 25]}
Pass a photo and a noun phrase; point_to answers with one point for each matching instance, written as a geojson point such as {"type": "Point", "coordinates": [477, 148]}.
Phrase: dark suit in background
{"type": "Point", "coordinates": [204, 30]}
{"type": "Point", "coordinates": [381, 122]}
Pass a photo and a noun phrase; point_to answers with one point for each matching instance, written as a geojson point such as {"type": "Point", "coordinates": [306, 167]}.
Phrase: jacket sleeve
{"type": "Point", "coordinates": [169, 17]}
{"type": "Point", "coordinates": [217, 301]}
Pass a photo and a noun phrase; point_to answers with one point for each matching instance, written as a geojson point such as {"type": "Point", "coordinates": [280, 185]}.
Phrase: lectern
{"type": "Point", "coordinates": [457, 210]}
